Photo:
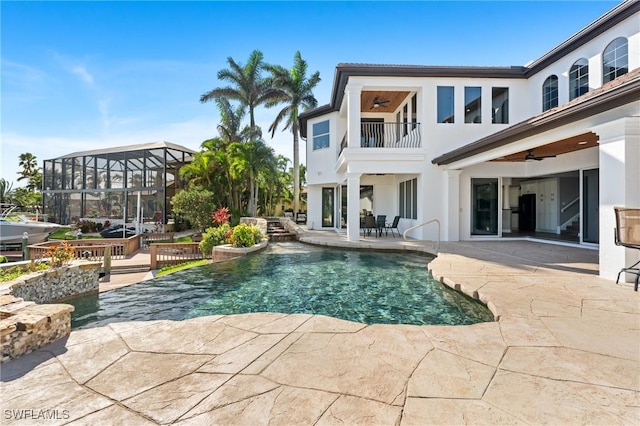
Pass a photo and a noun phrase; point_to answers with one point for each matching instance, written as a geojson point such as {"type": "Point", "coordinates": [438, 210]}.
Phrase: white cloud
{"type": "Point", "coordinates": [84, 75]}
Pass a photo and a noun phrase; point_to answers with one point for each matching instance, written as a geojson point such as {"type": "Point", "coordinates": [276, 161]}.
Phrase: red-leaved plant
{"type": "Point", "coordinates": [221, 216]}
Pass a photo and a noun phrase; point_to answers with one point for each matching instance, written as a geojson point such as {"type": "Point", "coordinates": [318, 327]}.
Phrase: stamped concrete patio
{"type": "Point", "coordinates": [565, 350]}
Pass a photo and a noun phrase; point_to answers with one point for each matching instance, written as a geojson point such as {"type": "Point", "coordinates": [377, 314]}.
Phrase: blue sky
{"type": "Point", "coordinates": [77, 76]}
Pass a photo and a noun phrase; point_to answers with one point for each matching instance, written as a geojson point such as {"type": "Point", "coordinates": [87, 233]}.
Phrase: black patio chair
{"type": "Point", "coordinates": [627, 234]}
{"type": "Point", "coordinates": [394, 225]}
{"type": "Point", "coordinates": [369, 224]}
{"type": "Point", "coordinates": [381, 224]}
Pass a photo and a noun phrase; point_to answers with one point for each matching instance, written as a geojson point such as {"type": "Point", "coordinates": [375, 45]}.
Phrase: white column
{"type": "Point", "coordinates": [353, 206]}
{"type": "Point", "coordinates": [353, 93]}
{"type": "Point", "coordinates": [619, 186]}
{"type": "Point", "coordinates": [451, 227]}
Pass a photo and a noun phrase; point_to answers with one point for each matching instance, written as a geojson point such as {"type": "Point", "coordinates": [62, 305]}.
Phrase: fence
{"type": "Point", "coordinates": [165, 254]}
{"type": "Point", "coordinates": [82, 249]}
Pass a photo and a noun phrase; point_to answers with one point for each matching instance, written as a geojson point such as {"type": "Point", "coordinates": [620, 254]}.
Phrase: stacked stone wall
{"type": "Point", "coordinates": [57, 284]}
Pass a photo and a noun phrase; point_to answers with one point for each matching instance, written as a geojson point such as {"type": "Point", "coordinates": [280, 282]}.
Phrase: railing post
{"type": "Point", "coordinates": [107, 260]}
{"type": "Point", "coordinates": [25, 249]}
{"type": "Point", "coordinates": [153, 251]}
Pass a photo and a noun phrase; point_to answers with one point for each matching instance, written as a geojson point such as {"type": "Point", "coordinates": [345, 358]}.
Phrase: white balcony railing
{"type": "Point", "coordinates": [387, 135]}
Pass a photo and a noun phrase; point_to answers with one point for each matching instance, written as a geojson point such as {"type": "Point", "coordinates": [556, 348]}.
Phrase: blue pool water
{"type": "Point", "coordinates": [362, 286]}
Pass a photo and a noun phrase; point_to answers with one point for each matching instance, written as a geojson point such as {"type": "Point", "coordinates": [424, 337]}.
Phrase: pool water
{"type": "Point", "coordinates": [362, 286]}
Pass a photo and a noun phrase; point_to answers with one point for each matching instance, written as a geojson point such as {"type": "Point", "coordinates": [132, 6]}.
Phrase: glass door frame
{"type": "Point", "coordinates": [498, 207]}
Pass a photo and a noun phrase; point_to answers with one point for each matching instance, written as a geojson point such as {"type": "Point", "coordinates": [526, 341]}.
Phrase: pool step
{"type": "Point", "coordinates": [129, 269]}
{"type": "Point", "coordinates": [277, 233]}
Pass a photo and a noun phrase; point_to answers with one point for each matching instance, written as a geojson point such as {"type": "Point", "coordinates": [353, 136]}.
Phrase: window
{"type": "Point", "coordinates": [550, 93]}
{"type": "Point", "coordinates": [500, 105]}
{"type": "Point", "coordinates": [472, 105]}
{"type": "Point", "coordinates": [408, 199]}
{"type": "Point", "coordinates": [445, 104]}
{"type": "Point", "coordinates": [321, 135]}
{"type": "Point", "coordinates": [578, 78]}
{"type": "Point", "coordinates": [615, 60]}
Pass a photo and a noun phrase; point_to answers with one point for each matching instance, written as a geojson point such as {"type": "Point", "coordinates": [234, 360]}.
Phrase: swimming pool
{"type": "Point", "coordinates": [362, 286]}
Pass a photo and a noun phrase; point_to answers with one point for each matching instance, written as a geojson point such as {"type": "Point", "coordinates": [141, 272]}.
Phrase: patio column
{"type": "Point", "coordinates": [353, 206]}
{"type": "Point", "coordinates": [353, 93]}
{"type": "Point", "coordinates": [451, 225]}
{"type": "Point", "coordinates": [619, 186]}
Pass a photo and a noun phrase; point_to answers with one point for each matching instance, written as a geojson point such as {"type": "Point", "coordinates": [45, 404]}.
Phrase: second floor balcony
{"type": "Point", "coordinates": [386, 135]}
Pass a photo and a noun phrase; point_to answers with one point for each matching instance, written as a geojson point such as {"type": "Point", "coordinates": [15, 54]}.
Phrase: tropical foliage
{"type": "Point", "coordinates": [195, 204]}
{"type": "Point", "coordinates": [238, 168]}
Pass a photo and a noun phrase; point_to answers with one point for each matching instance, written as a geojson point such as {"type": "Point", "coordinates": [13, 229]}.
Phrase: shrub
{"type": "Point", "coordinates": [3, 259]}
{"type": "Point", "coordinates": [60, 255]}
{"type": "Point", "coordinates": [245, 235]}
{"type": "Point", "coordinates": [258, 236]}
{"type": "Point", "coordinates": [87, 226]}
{"type": "Point", "coordinates": [214, 237]}
{"type": "Point", "coordinates": [8, 274]}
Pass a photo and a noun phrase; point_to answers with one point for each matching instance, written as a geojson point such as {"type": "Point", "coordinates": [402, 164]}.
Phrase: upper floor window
{"type": "Point", "coordinates": [321, 135]}
{"type": "Point", "coordinates": [445, 104]}
{"type": "Point", "coordinates": [500, 105]}
{"type": "Point", "coordinates": [472, 105]}
{"type": "Point", "coordinates": [578, 78]}
{"type": "Point", "coordinates": [550, 93]}
{"type": "Point", "coordinates": [615, 60]}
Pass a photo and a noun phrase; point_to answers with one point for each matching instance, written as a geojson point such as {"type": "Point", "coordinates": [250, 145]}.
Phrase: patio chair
{"type": "Point", "coordinates": [381, 224]}
{"type": "Point", "coordinates": [368, 225]}
{"type": "Point", "coordinates": [394, 225]}
{"type": "Point", "coordinates": [627, 234]}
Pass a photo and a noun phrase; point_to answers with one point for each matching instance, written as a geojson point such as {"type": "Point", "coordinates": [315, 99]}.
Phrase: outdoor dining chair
{"type": "Point", "coordinates": [381, 224]}
{"type": "Point", "coordinates": [394, 225]}
{"type": "Point", "coordinates": [627, 234]}
{"type": "Point", "coordinates": [368, 225]}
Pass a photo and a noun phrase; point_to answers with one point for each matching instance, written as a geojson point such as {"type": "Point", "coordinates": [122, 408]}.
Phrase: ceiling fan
{"type": "Point", "coordinates": [377, 103]}
{"type": "Point", "coordinates": [530, 156]}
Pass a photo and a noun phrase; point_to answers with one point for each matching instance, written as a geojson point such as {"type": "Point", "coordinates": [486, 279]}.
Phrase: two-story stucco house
{"type": "Point", "coordinates": [537, 151]}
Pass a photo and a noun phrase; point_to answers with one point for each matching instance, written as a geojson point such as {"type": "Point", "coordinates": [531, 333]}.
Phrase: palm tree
{"type": "Point", "coordinates": [30, 170]}
{"type": "Point", "coordinates": [5, 191]}
{"type": "Point", "coordinates": [247, 85]}
{"type": "Point", "coordinates": [295, 91]}
{"type": "Point", "coordinates": [252, 159]}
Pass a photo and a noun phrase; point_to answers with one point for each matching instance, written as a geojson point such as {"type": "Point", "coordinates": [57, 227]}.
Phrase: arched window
{"type": "Point", "coordinates": [578, 78]}
{"type": "Point", "coordinates": [550, 93]}
{"type": "Point", "coordinates": [615, 60]}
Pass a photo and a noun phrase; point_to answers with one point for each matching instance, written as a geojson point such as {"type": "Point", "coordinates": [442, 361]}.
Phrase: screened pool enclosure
{"type": "Point", "coordinates": [104, 184]}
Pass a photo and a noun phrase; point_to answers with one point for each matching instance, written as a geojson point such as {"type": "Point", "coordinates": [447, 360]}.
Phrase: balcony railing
{"type": "Point", "coordinates": [387, 135]}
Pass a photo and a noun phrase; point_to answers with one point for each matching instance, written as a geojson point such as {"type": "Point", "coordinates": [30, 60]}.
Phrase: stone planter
{"type": "Point", "coordinates": [228, 252]}
{"type": "Point", "coordinates": [26, 326]}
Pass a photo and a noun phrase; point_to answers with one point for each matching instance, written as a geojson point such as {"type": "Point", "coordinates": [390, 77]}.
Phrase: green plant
{"type": "Point", "coordinates": [214, 237]}
{"type": "Point", "coordinates": [8, 274]}
{"type": "Point", "coordinates": [60, 255]}
{"type": "Point", "coordinates": [3, 259]}
{"type": "Point", "coordinates": [221, 215]}
{"type": "Point", "coordinates": [194, 204]}
{"type": "Point", "coordinates": [258, 236]}
{"type": "Point", "coordinates": [244, 235]}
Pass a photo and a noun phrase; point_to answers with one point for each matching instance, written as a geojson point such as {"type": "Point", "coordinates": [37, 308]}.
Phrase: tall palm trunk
{"type": "Point", "coordinates": [296, 171]}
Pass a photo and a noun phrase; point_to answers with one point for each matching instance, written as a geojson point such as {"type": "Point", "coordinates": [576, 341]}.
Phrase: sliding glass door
{"type": "Point", "coordinates": [484, 213]}
{"type": "Point", "coordinates": [327, 207]}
